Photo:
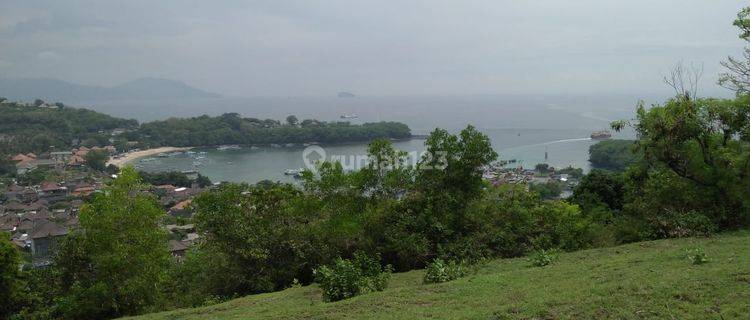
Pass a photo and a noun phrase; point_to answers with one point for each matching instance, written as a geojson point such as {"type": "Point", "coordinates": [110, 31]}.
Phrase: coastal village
{"type": "Point", "coordinates": [40, 205]}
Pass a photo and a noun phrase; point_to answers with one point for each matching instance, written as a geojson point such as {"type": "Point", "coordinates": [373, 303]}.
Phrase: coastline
{"type": "Point", "coordinates": [132, 156]}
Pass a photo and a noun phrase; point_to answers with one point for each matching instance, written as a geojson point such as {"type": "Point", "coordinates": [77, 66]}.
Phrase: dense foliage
{"type": "Point", "coordinates": [547, 190]}
{"type": "Point", "coordinates": [614, 155]}
{"type": "Point", "coordinates": [174, 178]}
{"type": "Point", "coordinates": [698, 153]}
{"type": "Point", "coordinates": [7, 167]}
{"type": "Point", "coordinates": [117, 263]}
{"type": "Point", "coordinates": [12, 286]}
{"type": "Point", "coordinates": [231, 128]}
{"type": "Point", "coordinates": [39, 129]}
{"type": "Point", "coordinates": [97, 159]}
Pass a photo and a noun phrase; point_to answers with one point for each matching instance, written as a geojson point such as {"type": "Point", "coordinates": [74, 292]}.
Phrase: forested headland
{"type": "Point", "coordinates": [231, 128]}
{"type": "Point", "coordinates": [40, 127]}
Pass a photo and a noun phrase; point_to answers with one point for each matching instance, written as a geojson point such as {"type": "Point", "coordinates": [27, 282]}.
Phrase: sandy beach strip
{"type": "Point", "coordinates": [131, 156]}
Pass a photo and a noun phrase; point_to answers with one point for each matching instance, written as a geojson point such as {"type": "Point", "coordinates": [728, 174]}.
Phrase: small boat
{"type": "Point", "coordinates": [601, 135]}
{"type": "Point", "coordinates": [162, 155]}
{"type": "Point", "coordinates": [349, 116]}
{"type": "Point", "coordinates": [228, 147]}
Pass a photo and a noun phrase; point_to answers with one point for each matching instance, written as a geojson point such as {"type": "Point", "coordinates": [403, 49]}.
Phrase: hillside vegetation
{"type": "Point", "coordinates": [42, 127]}
{"type": "Point", "coordinates": [637, 281]}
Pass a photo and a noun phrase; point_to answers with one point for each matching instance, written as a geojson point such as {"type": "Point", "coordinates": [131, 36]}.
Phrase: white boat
{"type": "Point", "coordinates": [228, 147]}
{"type": "Point", "coordinates": [601, 135]}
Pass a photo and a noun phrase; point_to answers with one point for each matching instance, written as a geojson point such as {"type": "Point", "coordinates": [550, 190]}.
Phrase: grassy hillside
{"type": "Point", "coordinates": [637, 281]}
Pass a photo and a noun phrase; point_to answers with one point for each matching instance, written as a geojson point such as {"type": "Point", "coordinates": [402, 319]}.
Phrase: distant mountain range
{"type": "Point", "coordinates": [52, 90]}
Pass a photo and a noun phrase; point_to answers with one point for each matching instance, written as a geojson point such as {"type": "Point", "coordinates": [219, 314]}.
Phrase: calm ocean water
{"type": "Point", "coordinates": [520, 127]}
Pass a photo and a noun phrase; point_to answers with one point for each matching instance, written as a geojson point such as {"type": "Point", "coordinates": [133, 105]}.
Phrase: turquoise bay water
{"type": "Point", "coordinates": [520, 127]}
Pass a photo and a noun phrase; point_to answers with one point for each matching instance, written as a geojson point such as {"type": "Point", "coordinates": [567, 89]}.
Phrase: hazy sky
{"type": "Point", "coordinates": [296, 47]}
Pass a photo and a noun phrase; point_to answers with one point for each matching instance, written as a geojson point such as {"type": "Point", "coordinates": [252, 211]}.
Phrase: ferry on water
{"type": "Point", "coordinates": [601, 135]}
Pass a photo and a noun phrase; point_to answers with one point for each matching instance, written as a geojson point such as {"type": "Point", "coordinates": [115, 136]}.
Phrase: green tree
{"type": "Point", "coordinates": [737, 76]}
{"type": "Point", "coordinates": [260, 235]}
{"type": "Point", "coordinates": [292, 120]}
{"type": "Point", "coordinates": [116, 263]}
{"type": "Point", "coordinates": [600, 187]}
{"type": "Point", "coordinates": [451, 163]}
{"type": "Point", "coordinates": [614, 155]}
{"type": "Point", "coordinates": [174, 178]}
{"type": "Point", "coordinates": [542, 168]}
{"type": "Point", "coordinates": [7, 166]}
{"type": "Point", "coordinates": [548, 190]}
{"type": "Point", "coordinates": [203, 181]}
{"type": "Point", "coordinates": [432, 215]}
{"type": "Point", "coordinates": [387, 174]}
{"type": "Point", "coordinates": [703, 146]}
{"type": "Point", "coordinates": [12, 287]}
{"type": "Point", "coordinates": [97, 159]}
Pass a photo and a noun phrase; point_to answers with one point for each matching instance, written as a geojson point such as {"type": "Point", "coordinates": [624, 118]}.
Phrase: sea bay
{"type": "Point", "coordinates": [529, 129]}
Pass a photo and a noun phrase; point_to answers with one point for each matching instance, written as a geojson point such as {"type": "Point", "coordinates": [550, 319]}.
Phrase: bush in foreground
{"type": "Point", "coordinates": [347, 278]}
{"type": "Point", "coordinates": [543, 257]}
{"type": "Point", "coordinates": [439, 271]}
{"type": "Point", "coordinates": [697, 255]}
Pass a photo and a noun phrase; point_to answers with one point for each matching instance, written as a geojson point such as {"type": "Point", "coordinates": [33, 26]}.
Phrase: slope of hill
{"type": "Point", "coordinates": [648, 280]}
{"type": "Point", "coordinates": [51, 90]}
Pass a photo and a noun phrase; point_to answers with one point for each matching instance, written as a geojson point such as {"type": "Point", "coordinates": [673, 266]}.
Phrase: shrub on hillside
{"type": "Point", "coordinates": [697, 255]}
{"type": "Point", "coordinates": [541, 258]}
{"type": "Point", "coordinates": [439, 271]}
{"type": "Point", "coordinates": [347, 278]}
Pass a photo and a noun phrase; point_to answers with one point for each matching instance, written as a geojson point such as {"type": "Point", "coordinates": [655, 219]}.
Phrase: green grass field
{"type": "Point", "coordinates": [648, 280]}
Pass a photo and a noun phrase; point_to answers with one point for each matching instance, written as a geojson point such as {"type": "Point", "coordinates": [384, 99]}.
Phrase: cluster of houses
{"type": "Point", "coordinates": [499, 175]}
{"type": "Point", "coordinates": [38, 217]}
{"type": "Point", "coordinates": [57, 159]}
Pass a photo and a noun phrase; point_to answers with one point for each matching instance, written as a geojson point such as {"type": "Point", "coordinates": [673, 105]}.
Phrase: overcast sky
{"type": "Point", "coordinates": [292, 48]}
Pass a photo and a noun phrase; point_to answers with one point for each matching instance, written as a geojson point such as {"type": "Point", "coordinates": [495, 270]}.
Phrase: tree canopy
{"type": "Point", "coordinates": [117, 263]}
